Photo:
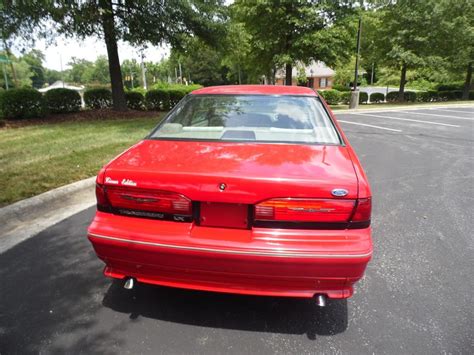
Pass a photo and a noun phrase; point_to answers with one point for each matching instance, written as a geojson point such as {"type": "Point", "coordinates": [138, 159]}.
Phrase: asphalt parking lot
{"type": "Point", "coordinates": [416, 297]}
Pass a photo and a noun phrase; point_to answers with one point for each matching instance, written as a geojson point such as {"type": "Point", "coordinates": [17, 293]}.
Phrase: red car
{"type": "Point", "coordinates": [246, 189]}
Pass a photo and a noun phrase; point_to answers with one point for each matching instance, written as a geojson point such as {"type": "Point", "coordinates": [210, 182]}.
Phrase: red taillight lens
{"type": "Point", "coordinates": [305, 210]}
{"type": "Point", "coordinates": [102, 202]}
{"type": "Point", "coordinates": [148, 200]}
{"type": "Point", "coordinates": [363, 210]}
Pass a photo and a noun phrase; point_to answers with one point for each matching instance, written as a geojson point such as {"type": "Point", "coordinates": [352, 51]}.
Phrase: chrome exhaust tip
{"type": "Point", "coordinates": [129, 283]}
{"type": "Point", "coordinates": [320, 300]}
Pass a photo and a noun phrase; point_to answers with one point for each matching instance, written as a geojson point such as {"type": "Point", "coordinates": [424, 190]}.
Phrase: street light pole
{"type": "Point", "coordinates": [355, 93]}
{"type": "Point", "coordinates": [143, 72]}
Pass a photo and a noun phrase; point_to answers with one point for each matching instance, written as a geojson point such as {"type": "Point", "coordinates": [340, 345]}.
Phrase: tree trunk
{"type": "Point", "coordinates": [288, 72]}
{"type": "Point", "coordinates": [403, 79]}
{"type": "Point", "coordinates": [467, 83]}
{"type": "Point", "coordinates": [108, 25]}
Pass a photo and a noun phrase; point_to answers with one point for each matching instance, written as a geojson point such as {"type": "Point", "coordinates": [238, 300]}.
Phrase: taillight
{"type": "Point", "coordinates": [143, 203]}
{"type": "Point", "coordinates": [363, 210]}
{"type": "Point", "coordinates": [102, 202]}
{"type": "Point", "coordinates": [304, 210]}
{"type": "Point", "coordinates": [343, 212]}
{"type": "Point", "coordinates": [148, 200]}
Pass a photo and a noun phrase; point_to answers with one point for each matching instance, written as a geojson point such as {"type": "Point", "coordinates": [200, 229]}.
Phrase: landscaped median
{"type": "Point", "coordinates": [35, 158]}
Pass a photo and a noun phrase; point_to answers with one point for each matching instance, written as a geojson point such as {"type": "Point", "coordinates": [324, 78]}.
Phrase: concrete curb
{"type": "Point", "coordinates": [24, 219]}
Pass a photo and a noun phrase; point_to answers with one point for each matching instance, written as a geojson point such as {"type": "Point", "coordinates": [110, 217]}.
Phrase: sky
{"type": "Point", "coordinates": [63, 49]}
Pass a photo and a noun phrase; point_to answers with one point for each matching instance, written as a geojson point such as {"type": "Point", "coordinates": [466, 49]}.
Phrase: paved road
{"type": "Point", "coordinates": [415, 298]}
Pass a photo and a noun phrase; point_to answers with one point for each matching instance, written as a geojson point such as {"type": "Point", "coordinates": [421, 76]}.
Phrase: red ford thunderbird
{"type": "Point", "coordinates": [241, 189]}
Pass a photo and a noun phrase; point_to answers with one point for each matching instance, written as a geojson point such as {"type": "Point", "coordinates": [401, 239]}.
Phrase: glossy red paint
{"type": "Point", "coordinates": [226, 251]}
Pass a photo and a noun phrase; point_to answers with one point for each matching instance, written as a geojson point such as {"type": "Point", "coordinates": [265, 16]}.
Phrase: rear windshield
{"type": "Point", "coordinates": [256, 118]}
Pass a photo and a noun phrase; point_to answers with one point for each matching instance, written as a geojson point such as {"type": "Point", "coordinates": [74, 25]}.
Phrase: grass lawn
{"type": "Point", "coordinates": [38, 158]}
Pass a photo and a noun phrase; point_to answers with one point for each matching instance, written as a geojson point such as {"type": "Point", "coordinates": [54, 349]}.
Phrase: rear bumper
{"type": "Point", "coordinates": [295, 263]}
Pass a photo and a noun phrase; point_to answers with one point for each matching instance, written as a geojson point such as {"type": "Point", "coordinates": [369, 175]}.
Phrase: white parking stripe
{"type": "Point", "coordinates": [369, 125]}
{"type": "Point", "coordinates": [434, 114]}
{"type": "Point", "coordinates": [445, 109]}
{"type": "Point", "coordinates": [406, 119]}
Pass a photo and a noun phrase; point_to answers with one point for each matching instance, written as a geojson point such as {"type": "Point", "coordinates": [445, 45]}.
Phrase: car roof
{"type": "Point", "coordinates": [255, 90]}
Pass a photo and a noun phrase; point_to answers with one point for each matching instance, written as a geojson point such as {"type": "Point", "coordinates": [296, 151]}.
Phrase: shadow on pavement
{"type": "Point", "coordinates": [54, 298]}
{"type": "Point", "coordinates": [215, 310]}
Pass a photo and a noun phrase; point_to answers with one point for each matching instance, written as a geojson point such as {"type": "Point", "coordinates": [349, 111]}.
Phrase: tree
{"type": "Point", "coordinates": [35, 59]}
{"type": "Point", "coordinates": [200, 61]}
{"type": "Point", "coordinates": [78, 70]}
{"type": "Point", "coordinates": [18, 72]}
{"type": "Point", "coordinates": [51, 76]}
{"type": "Point", "coordinates": [138, 22]}
{"type": "Point", "coordinates": [404, 37]}
{"type": "Point", "coordinates": [98, 73]}
{"type": "Point", "coordinates": [132, 73]}
{"type": "Point", "coordinates": [455, 37]}
{"type": "Point", "coordinates": [285, 32]}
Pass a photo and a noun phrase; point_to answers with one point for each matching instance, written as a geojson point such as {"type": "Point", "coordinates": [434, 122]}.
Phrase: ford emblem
{"type": "Point", "coordinates": [339, 192]}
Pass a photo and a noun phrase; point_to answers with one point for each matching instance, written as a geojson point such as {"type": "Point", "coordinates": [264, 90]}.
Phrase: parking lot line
{"type": "Point", "coordinates": [449, 110]}
{"type": "Point", "coordinates": [369, 125]}
{"type": "Point", "coordinates": [434, 114]}
{"type": "Point", "coordinates": [406, 119]}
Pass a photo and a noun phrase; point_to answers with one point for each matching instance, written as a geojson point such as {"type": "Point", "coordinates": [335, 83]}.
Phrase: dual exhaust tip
{"type": "Point", "coordinates": [320, 299]}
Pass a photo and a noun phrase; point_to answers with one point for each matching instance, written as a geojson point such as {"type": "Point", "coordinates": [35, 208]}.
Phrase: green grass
{"type": "Point", "coordinates": [35, 159]}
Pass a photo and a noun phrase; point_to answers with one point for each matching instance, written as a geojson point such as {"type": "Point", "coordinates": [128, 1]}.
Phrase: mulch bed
{"type": "Point", "coordinates": [86, 115]}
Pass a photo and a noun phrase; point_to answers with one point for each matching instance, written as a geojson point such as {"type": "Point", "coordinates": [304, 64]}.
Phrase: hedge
{"type": "Point", "coordinates": [98, 98]}
{"type": "Point", "coordinates": [446, 95]}
{"type": "Point", "coordinates": [158, 100]}
{"type": "Point", "coordinates": [135, 100]}
{"type": "Point", "coordinates": [450, 87]}
{"type": "Point", "coordinates": [176, 95]}
{"type": "Point", "coordinates": [62, 100]}
{"type": "Point", "coordinates": [377, 97]}
{"type": "Point", "coordinates": [332, 97]}
{"type": "Point", "coordinates": [22, 103]}
{"type": "Point", "coordinates": [363, 97]}
{"type": "Point", "coordinates": [471, 95]}
{"type": "Point", "coordinates": [409, 96]}
{"type": "Point", "coordinates": [345, 97]}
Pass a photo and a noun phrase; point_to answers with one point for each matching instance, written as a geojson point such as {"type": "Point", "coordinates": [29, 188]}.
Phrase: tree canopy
{"type": "Point", "coordinates": [403, 42]}
{"type": "Point", "coordinates": [139, 22]}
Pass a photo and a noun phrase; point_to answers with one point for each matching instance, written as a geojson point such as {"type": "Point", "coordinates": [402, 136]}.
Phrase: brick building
{"type": "Point", "coordinates": [318, 76]}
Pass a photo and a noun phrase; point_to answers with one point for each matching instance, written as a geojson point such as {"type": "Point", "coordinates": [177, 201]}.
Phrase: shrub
{"type": "Point", "coordinates": [176, 95]}
{"type": "Point", "coordinates": [345, 97]}
{"type": "Point", "coordinates": [22, 103]}
{"type": "Point", "coordinates": [409, 96]}
{"type": "Point", "coordinates": [135, 100]}
{"type": "Point", "coordinates": [392, 96]}
{"type": "Point", "coordinates": [423, 96]}
{"type": "Point", "coordinates": [450, 87]}
{"type": "Point", "coordinates": [434, 96]}
{"type": "Point", "coordinates": [377, 97]}
{"type": "Point", "coordinates": [332, 97]}
{"type": "Point", "coordinates": [363, 97]}
{"type": "Point", "coordinates": [457, 94]}
{"type": "Point", "coordinates": [471, 95]}
{"type": "Point", "coordinates": [339, 87]}
{"type": "Point", "coordinates": [62, 100]}
{"type": "Point", "coordinates": [98, 98]}
{"type": "Point", "coordinates": [446, 95]}
{"type": "Point", "coordinates": [157, 99]}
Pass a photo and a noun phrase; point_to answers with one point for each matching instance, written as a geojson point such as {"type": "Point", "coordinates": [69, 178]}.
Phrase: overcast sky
{"type": "Point", "coordinates": [89, 49]}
